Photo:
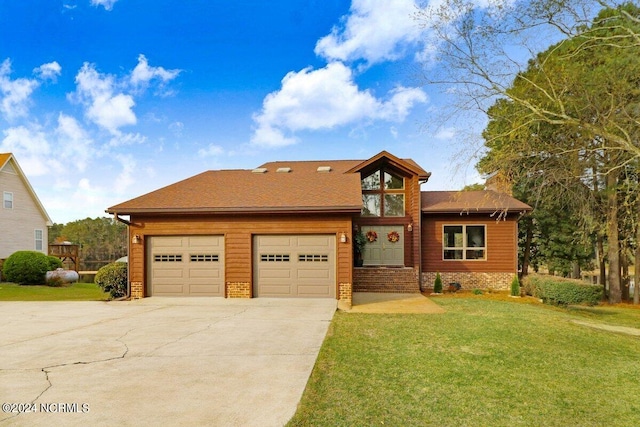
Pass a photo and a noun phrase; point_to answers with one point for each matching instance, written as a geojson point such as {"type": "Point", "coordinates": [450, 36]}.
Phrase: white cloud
{"type": "Point", "coordinates": [126, 177]}
{"type": "Point", "coordinates": [142, 74]}
{"type": "Point", "coordinates": [447, 133]}
{"type": "Point", "coordinates": [31, 148]}
{"type": "Point", "coordinates": [48, 71]}
{"type": "Point", "coordinates": [323, 99]}
{"type": "Point", "coordinates": [104, 107]}
{"type": "Point", "coordinates": [14, 94]}
{"type": "Point", "coordinates": [107, 4]}
{"type": "Point", "coordinates": [177, 128]}
{"type": "Point", "coordinates": [74, 144]}
{"type": "Point", "coordinates": [211, 151]}
{"type": "Point", "coordinates": [373, 31]}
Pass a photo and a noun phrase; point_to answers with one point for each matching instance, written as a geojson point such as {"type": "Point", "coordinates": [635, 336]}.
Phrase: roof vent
{"type": "Point", "coordinates": [259, 170]}
{"type": "Point", "coordinates": [283, 170]}
{"type": "Point", "coordinates": [323, 169]}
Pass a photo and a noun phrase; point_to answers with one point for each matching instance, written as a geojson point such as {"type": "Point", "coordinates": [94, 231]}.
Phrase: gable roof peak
{"type": "Point", "coordinates": [407, 165]}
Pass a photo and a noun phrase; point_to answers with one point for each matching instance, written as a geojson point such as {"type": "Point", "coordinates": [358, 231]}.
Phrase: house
{"type": "Point", "coordinates": [23, 219]}
{"type": "Point", "coordinates": [285, 229]}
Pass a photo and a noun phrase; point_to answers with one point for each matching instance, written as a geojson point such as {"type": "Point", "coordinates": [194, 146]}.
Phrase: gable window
{"type": "Point", "coordinates": [383, 194]}
{"type": "Point", "coordinates": [39, 244]}
{"type": "Point", "coordinates": [464, 242]}
{"type": "Point", "coordinates": [7, 200]}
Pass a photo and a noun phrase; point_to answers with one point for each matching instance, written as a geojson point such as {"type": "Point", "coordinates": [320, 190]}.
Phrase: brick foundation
{"type": "Point", "coordinates": [345, 296]}
{"type": "Point", "coordinates": [469, 281]}
{"type": "Point", "coordinates": [238, 290]}
{"type": "Point", "coordinates": [381, 279]}
{"type": "Point", "coordinates": [137, 290]}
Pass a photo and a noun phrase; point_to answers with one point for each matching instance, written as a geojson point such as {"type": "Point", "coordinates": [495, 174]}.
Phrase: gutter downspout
{"type": "Point", "coordinates": [128, 224]}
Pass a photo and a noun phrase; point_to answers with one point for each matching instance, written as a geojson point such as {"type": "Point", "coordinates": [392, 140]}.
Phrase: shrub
{"type": "Point", "coordinates": [54, 262]}
{"type": "Point", "coordinates": [515, 287]}
{"type": "Point", "coordinates": [476, 291]}
{"type": "Point", "coordinates": [26, 268]}
{"type": "Point", "coordinates": [112, 278]}
{"type": "Point", "coordinates": [561, 291]}
{"type": "Point", "coordinates": [437, 285]}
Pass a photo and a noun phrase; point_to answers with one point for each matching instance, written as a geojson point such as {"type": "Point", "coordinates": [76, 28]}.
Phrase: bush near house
{"type": "Point", "coordinates": [562, 291]}
{"type": "Point", "coordinates": [26, 268]}
{"type": "Point", "coordinates": [437, 284]}
{"type": "Point", "coordinates": [515, 287]}
{"type": "Point", "coordinates": [112, 278]}
{"type": "Point", "coordinates": [54, 263]}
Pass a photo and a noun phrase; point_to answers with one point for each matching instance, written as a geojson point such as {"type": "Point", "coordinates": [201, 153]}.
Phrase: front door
{"type": "Point", "coordinates": [385, 245]}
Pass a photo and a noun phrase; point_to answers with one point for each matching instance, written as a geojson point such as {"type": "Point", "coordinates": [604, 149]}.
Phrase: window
{"type": "Point", "coordinates": [274, 258]}
{"type": "Point", "coordinates": [464, 242]}
{"type": "Point", "coordinates": [383, 194]}
{"type": "Point", "coordinates": [167, 258]}
{"type": "Point", "coordinates": [204, 258]}
{"type": "Point", "coordinates": [7, 200]}
{"type": "Point", "coordinates": [313, 258]}
{"type": "Point", "coordinates": [38, 240]}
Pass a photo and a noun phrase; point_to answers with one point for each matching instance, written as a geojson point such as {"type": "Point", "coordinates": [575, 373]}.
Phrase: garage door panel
{"type": "Point", "coordinates": [315, 241]}
{"type": "Point", "coordinates": [207, 274]}
{"type": "Point", "coordinates": [271, 241]}
{"type": "Point", "coordinates": [165, 290]}
{"type": "Point", "coordinates": [294, 266]}
{"type": "Point", "coordinates": [314, 291]}
{"type": "Point", "coordinates": [276, 290]}
{"type": "Point", "coordinates": [186, 265]}
{"type": "Point", "coordinates": [313, 274]}
{"type": "Point", "coordinates": [167, 273]}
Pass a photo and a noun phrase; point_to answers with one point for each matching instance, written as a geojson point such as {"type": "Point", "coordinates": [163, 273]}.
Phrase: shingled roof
{"type": "Point", "coordinates": [298, 186]}
{"type": "Point", "coordinates": [486, 201]}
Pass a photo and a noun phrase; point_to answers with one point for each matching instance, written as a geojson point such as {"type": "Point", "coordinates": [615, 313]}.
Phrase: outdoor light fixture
{"type": "Point", "coordinates": [343, 238]}
{"type": "Point", "coordinates": [136, 239]}
{"type": "Point", "coordinates": [410, 227]}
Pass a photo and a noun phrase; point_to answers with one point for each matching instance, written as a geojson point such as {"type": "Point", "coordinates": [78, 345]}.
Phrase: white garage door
{"type": "Point", "coordinates": [294, 266]}
{"type": "Point", "coordinates": [186, 266]}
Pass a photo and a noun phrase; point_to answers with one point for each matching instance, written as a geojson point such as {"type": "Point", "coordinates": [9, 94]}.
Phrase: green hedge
{"type": "Point", "coordinates": [112, 278]}
{"type": "Point", "coordinates": [562, 291]}
{"type": "Point", "coordinates": [26, 268]}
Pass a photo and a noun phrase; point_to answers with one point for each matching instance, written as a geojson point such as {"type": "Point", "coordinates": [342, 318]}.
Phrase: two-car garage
{"type": "Point", "coordinates": [282, 265]}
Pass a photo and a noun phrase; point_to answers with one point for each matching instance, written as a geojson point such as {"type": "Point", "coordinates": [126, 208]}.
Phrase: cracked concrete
{"type": "Point", "coordinates": [187, 361]}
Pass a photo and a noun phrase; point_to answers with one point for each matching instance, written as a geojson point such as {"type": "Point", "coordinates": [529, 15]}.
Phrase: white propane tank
{"type": "Point", "coordinates": [65, 276]}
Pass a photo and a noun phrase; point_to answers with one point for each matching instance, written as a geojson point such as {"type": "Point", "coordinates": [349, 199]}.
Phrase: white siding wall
{"type": "Point", "coordinates": [18, 225]}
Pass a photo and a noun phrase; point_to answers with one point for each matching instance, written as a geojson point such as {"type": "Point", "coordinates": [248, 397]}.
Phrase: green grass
{"type": "Point", "coordinates": [483, 363]}
{"type": "Point", "coordinates": [75, 292]}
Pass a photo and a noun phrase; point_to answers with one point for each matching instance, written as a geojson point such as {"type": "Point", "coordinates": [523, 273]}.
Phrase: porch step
{"type": "Point", "coordinates": [383, 279]}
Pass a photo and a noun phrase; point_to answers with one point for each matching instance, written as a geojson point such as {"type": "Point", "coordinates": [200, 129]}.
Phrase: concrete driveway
{"type": "Point", "coordinates": [158, 361]}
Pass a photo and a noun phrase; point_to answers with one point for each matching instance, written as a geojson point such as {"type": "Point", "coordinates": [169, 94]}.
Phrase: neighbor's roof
{"type": "Point", "coordinates": [5, 158]}
{"type": "Point", "coordinates": [486, 201]}
{"type": "Point", "coordinates": [302, 188]}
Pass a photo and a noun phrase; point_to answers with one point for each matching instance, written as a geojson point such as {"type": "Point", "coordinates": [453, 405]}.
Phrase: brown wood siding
{"type": "Point", "coordinates": [502, 248]}
{"type": "Point", "coordinates": [238, 232]}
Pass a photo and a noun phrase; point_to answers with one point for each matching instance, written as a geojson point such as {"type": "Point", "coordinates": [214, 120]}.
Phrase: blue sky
{"type": "Point", "coordinates": [104, 100]}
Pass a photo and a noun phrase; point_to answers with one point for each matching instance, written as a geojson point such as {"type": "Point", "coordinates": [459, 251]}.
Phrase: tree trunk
{"type": "Point", "coordinates": [613, 238]}
{"type": "Point", "coordinates": [624, 278]}
{"type": "Point", "coordinates": [602, 278]}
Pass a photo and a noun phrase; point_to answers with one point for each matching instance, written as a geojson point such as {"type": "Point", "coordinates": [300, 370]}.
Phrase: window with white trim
{"type": "Point", "coordinates": [7, 200]}
{"type": "Point", "coordinates": [39, 240]}
{"type": "Point", "coordinates": [464, 242]}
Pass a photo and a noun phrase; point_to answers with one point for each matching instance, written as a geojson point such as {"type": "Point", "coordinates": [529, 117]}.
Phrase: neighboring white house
{"type": "Point", "coordinates": [23, 219]}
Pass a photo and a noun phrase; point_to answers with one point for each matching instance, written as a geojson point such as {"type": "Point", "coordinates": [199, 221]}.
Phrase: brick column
{"type": "Point", "coordinates": [137, 290]}
{"type": "Point", "coordinates": [345, 296]}
{"type": "Point", "coordinates": [238, 290]}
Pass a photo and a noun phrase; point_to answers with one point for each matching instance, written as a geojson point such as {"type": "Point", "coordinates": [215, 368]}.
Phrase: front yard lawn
{"type": "Point", "coordinates": [74, 292]}
{"type": "Point", "coordinates": [482, 363]}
